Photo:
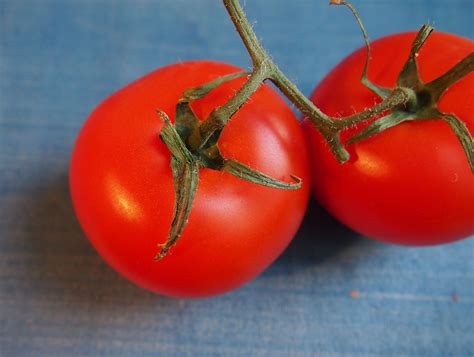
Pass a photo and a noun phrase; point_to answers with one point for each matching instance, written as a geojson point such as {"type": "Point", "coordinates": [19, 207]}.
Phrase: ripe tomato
{"type": "Point", "coordinates": [122, 187]}
{"type": "Point", "coordinates": [411, 184]}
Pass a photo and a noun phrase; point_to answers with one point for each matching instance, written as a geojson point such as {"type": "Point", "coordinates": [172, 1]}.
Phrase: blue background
{"type": "Point", "coordinates": [331, 293]}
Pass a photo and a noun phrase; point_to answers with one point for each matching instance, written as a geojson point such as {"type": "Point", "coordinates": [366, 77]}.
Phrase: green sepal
{"type": "Point", "coordinates": [462, 132]}
{"type": "Point", "coordinates": [185, 170]}
{"type": "Point", "coordinates": [379, 125]}
{"type": "Point", "coordinates": [246, 173]}
{"type": "Point", "coordinates": [187, 123]}
{"type": "Point", "coordinates": [173, 141]}
{"type": "Point", "coordinates": [213, 159]}
{"type": "Point", "coordinates": [397, 117]}
{"type": "Point", "coordinates": [439, 85]}
{"type": "Point", "coordinates": [409, 76]}
{"type": "Point", "coordinates": [199, 92]}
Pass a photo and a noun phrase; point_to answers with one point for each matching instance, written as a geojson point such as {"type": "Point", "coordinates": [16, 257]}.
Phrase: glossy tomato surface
{"type": "Point", "coordinates": [412, 183]}
{"type": "Point", "coordinates": [122, 187]}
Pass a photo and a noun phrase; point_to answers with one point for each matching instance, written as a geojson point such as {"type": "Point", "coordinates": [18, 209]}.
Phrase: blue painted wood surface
{"type": "Point", "coordinates": [331, 293]}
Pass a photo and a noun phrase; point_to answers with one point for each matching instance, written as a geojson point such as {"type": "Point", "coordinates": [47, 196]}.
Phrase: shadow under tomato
{"type": "Point", "coordinates": [320, 238]}
{"type": "Point", "coordinates": [58, 262]}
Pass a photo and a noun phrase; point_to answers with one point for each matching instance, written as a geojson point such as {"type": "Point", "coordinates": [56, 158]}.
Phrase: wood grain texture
{"type": "Point", "coordinates": [331, 293]}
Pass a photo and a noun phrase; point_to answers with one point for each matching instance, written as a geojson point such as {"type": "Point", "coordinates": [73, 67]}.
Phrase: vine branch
{"type": "Point", "coordinates": [264, 68]}
{"type": "Point", "coordinates": [382, 92]}
{"type": "Point", "coordinates": [193, 144]}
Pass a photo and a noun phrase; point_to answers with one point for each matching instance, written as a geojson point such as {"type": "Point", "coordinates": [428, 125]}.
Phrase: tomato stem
{"type": "Point", "coordinates": [264, 68]}
{"type": "Point", "coordinates": [211, 128]}
{"type": "Point", "coordinates": [193, 144]}
{"type": "Point", "coordinates": [382, 92]}
{"type": "Point", "coordinates": [402, 101]}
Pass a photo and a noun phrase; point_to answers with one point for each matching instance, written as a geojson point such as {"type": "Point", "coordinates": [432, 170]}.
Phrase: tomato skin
{"type": "Point", "coordinates": [411, 184]}
{"type": "Point", "coordinates": [122, 187]}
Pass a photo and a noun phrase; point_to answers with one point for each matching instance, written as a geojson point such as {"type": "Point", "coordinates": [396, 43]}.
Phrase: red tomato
{"type": "Point", "coordinates": [411, 184]}
{"type": "Point", "coordinates": [122, 186]}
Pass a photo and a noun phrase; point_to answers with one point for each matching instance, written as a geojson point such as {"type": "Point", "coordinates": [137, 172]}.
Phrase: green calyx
{"type": "Point", "coordinates": [412, 99]}
{"type": "Point", "coordinates": [190, 153]}
{"type": "Point", "coordinates": [422, 98]}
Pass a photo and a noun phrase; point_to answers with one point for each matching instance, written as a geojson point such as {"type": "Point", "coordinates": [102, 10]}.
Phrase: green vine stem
{"type": "Point", "coordinates": [382, 92]}
{"type": "Point", "coordinates": [264, 68]}
{"type": "Point", "coordinates": [193, 144]}
{"type": "Point", "coordinates": [397, 100]}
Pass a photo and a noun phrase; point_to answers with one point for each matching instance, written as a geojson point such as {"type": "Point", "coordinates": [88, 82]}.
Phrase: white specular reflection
{"type": "Point", "coordinates": [123, 201]}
